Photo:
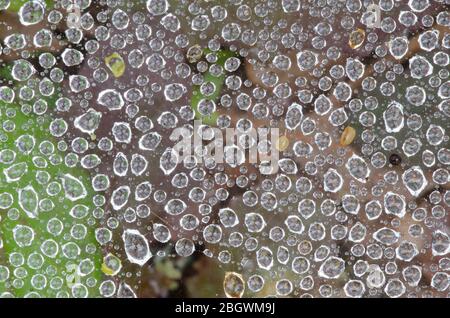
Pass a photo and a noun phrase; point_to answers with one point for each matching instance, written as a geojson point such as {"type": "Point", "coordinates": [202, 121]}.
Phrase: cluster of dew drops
{"type": "Point", "coordinates": [358, 208]}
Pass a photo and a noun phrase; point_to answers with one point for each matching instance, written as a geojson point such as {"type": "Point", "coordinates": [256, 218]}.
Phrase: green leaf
{"type": "Point", "coordinates": [218, 82]}
{"type": "Point", "coordinates": [39, 202]}
{"type": "Point", "coordinates": [17, 4]}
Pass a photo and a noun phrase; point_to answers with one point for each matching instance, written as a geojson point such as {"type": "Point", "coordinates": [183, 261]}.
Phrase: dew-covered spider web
{"type": "Point", "coordinates": [239, 148]}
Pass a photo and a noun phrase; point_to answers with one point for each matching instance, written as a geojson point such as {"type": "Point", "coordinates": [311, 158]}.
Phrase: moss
{"type": "Point", "coordinates": [207, 281]}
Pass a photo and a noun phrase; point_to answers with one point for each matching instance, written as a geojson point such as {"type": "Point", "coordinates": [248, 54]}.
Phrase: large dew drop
{"type": "Point", "coordinates": [136, 247]}
{"type": "Point", "coordinates": [28, 201]}
{"type": "Point", "coordinates": [414, 180]}
{"type": "Point", "coordinates": [393, 117]}
{"type": "Point", "coordinates": [73, 188]}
